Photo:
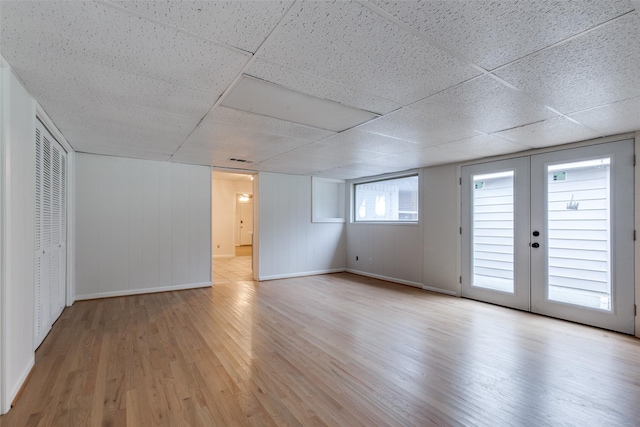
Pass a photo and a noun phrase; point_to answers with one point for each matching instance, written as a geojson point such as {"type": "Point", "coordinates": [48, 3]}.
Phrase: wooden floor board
{"type": "Point", "coordinates": [333, 350]}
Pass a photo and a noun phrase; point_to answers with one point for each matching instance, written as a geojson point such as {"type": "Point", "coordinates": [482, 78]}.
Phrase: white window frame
{"type": "Point", "coordinates": [380, 178]}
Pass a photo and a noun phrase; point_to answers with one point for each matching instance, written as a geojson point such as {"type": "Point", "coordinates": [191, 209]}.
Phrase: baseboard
{"type": "Point", "coordinates": [224, 256]}
{"type": "Point", "coordinates": [18, 387]}
{"type": "Point", "coordinates": [440, 291]}
{"type": "Point", "coordinates": [143, 291]}
{"type": "Point", "coordinates": [386, 278]}
{"type": "Point", "coordinates": [301, 274]}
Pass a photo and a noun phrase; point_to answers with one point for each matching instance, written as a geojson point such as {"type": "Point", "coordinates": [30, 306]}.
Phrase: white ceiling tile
{"type": "Point", "coordinates": [554, 131]}
{"type": "Point", "coordinates": [357, 170]}
{"type": "Point", "coordinates": [620, 117]}
{"type": "Point", "coordinates": [241, 24]}
{"type": "Point", "coordinates": [347, 43]}
{"type": "Point", "coordinates": [97, 33]}
{"type": "Point", "coordinates": [300, 159]}
{"type": "Point", "coordinates": [93, 81]}
{"type": "Point", "coordinates": [479, 147]}
{"type": "Point", "coordinates": [343, 154]}
{"type": "Point", "coordinates": [596, 68]}
{"type": "Point", "coordinates": [415, 126]}
{"type": "Point", "coordinates": [321, 88]}
{"type": "Point", "coordinates": [241, 119]}
{"type": "Point", "coordinates": [493, 33]}
{"type": "Point", "coordinates": [110, 120]}
{"type": "Point", "coordinates": [355, 139]}
{"type": "Point", "coordinates": [483, 104]}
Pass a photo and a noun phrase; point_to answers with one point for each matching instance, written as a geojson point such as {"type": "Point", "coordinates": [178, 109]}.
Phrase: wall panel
{"type": "Point", "coordinates": [148, 222]}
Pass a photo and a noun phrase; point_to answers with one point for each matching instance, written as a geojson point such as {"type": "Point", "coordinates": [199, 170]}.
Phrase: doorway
{"type": "Point", "coordinates": [553, 234]}
{"type": "Point", "coordinates": [232, 217]}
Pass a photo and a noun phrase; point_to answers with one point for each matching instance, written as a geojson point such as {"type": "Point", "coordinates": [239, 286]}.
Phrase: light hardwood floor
{"type": "Point", "coordinates": [339, 350]}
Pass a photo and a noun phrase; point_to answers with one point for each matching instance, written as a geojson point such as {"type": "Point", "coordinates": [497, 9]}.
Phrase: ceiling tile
{"type": "Point", "coordinates": [620, 117]}
{"type": "Point", "coordinates": [359, 140]}
{"type": "Point", "coordinates": [483, 104]}
{"type": "Point", "coordinates": [493, 33]}
{"type": "Point", "coordinates": [93, 81]}
{"type": "Point", "coordinates": [596, 68]}
{"type": "Point", "coordinates": [97, 33]}
{"type": "Point", "coordinates": [241, 24]}
{"type": "Point", "coordinates": [241, 119]}
{"type": "Point", "coordinates": [344, 154]}
{"type": "Point", "coordinates": [554, 131]}
{"type": "Point", "coordinates": [415, 126]}
{"type": "Point", "coordinates": [321, 88]}
{"type": "Point", "coordinates": [113, 121]}
{"type": "Point", "coordinates": [357, 170]}
{"type": "Point", "coordinates": [347, 43]}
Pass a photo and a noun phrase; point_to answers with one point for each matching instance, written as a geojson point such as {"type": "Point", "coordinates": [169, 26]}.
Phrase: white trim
{"type": "Point", "coordinates": [637, 227]}
{"type": "Point", "coordinates": [143, 291]}
{"type": "Point", "coordinates": [21, 381]}
{"type": "Point", "coordinates": [386, 278]}
{"type": "Point", "coordinates": [302, 274]}
{"type": "Point", "coordinates": [51, 127]}
{"type": "Point", "coordinates": [224, 256]}
{"type": "Point", "coordinates": [5, 404]}
{"type": "Point", "coordinates": [440, 291]}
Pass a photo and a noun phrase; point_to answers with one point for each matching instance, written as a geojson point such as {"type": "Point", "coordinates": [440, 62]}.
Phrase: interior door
{"type": "Point", "coordinates": [495, 232]}
{"type": "Point", "coordinates": [246, 223]}
{"type": "Point", "coordinates": [582, 256]}
{"type": "Point", "coordinates": [553, 233]}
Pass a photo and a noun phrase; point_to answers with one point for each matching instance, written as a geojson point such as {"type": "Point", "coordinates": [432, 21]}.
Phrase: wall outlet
{"type": "Point", "coordinates": [218, 246]}
{"type": "Point", "coordinates": [357, 258]}
{"type": "Point", "coordinates": [370, 260]}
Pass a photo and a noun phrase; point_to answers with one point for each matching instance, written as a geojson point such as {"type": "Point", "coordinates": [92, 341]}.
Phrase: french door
{"type": "Point", "coordinates": [553, 234]}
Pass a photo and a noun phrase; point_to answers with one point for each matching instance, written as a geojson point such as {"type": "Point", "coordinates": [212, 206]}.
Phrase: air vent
{"type": "Point", "coordinates": [241, 160]}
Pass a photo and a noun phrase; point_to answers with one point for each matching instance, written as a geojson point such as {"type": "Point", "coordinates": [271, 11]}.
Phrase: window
{"type": "Point", "coordinates": [328, 200]}
{"type": "Point", "coordinates": [388, 200]}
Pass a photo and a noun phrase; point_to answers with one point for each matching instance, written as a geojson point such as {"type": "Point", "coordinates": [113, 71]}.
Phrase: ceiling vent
{"type": "Point", "coordinates": [240, 160]}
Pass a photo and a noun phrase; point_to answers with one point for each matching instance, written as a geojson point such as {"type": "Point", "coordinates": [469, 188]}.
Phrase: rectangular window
{"type": "Point", "coordinates": [388, 200]}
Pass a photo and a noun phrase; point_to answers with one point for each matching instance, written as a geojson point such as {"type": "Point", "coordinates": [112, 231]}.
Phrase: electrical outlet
{"type": "Point", "coordinates": [357, 258]}
{"type": "Point", "coordinates": [218, 246]}
{"type": "Point", "coordinates": [370, 260]}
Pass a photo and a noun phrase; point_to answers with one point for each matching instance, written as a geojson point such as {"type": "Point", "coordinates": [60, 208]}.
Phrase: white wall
{"type": "Point", "coordinates": [18, 215]}
{"type": "Point", "coordinates": [289, 243]}
{"type": "Point", "coordinates": [441, 234]}
{"type": "Point", "coordinates": [223, 214]}
{"type": "Point", "coordinates": [141, 226]}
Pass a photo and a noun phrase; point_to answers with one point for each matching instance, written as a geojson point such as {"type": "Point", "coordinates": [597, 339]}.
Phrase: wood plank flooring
{"type": "Point", "coordinates": [334, 350]}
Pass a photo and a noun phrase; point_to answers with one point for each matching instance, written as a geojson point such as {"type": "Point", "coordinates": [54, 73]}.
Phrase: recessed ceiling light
{"type": "Point", "coordinates": [268, 99]}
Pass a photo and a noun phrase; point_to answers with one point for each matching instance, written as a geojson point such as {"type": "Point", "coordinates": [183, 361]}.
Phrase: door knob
{"type": "Point", "coordinates": [535, 245]}
{"type": "Point", "coordinates": [536, 233]}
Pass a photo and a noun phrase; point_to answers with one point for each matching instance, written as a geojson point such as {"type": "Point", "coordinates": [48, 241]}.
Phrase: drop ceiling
{"type": "Point", "coordinates": [447, 81]}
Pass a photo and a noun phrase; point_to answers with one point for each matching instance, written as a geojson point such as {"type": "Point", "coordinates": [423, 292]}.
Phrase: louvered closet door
{"type": "Point", "coordinates": [51, 231]}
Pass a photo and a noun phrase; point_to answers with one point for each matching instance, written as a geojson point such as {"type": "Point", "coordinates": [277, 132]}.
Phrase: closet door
{"type": "Point", "coordinates": [50, 256]}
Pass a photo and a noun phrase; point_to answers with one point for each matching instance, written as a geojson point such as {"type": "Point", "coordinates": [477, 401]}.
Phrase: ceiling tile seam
{"type": "Point", "coordinates": [306, 73]}
{"type": "Point", "coordinates": [636, 4]}
{"type": "Point", "coordinates": [383, 13]}
{"type": "Point", "coordinates": [608, 104]}
{"type": "Point", "coordinates": [236, 80]}
{"type": "Point", "coordinates": [172, 27]}
{"type": "Point", "coordinates": [563, 41]}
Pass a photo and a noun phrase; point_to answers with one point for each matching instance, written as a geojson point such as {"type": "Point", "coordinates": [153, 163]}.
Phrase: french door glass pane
{"type": "Point", "coordinates": [578, 227]}
{"type": "Point", "coordinates": [493, 242]}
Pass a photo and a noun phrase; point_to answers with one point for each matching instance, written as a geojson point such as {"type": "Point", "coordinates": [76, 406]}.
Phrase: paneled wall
{"type": "Point", "coordinates": [141, 226]}
{"type": "Point", "coordinates": [17, 132]}
{"type": "Point", "coordinates": [290, 244]}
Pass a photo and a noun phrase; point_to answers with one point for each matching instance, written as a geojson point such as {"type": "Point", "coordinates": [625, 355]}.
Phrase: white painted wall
{"type": "Point", "coordinates": [387, 251]}
{"type": "Point", "coordinates": [223, 214]}
{"type": "Point", "coordinates": [18, 225]}
{"type": "Point", "coordinates": [289, 243]}
{"type": "Point", "coordinates": [141, 226]}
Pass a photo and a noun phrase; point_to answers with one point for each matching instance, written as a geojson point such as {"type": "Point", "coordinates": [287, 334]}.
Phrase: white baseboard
{"type": "Point", "coordinates": [440, 291]}
{"type": "Point", "coordinates": [388, 279]}
{"type": "Point", "coordinates": [16, 388]}
{"type": "Point", "coordinates": [301, 274]}
{"type": "Point", "coordinates": [143, 291]}
{"type": "Point", "coordinates": [224, 256]}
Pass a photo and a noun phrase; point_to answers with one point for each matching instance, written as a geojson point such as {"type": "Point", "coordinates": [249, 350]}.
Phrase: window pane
{"type": "Point", "coordinates": [579, 224]}
{"type": "Point", "coordinates": [388, 200]}
{"type": "Point", "coordinates": [492, 258]}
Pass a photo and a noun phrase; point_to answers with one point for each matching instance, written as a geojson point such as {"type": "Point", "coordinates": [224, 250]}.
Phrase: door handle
{"type": "Point", "coordinates": [535, 245]}
{"type": "Point", "coordinates": [536, 233]}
